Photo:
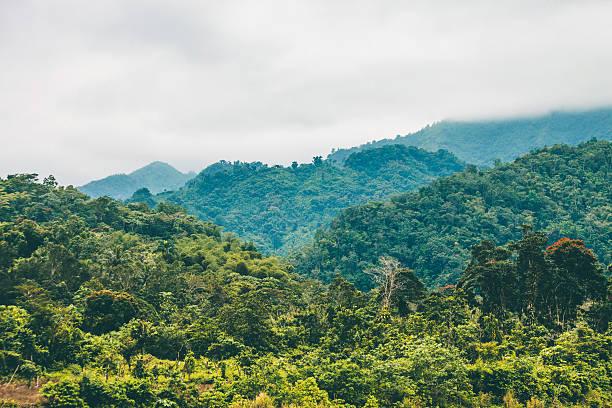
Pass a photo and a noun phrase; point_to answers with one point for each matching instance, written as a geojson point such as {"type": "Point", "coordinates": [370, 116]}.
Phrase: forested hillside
{"type": "Point", "coordinates": [156, 177]}
{"type": "Point", "coordinates": [104, 304]}
{"type": "Point", "coordinates": [279, 208]}
{"type": "Point", "coordinates": [482, 142]}
{"type": "Point", "coordinates": [563, 190]}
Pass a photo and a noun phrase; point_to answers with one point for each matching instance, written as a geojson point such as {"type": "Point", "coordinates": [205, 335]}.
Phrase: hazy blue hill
{"type": "Point", "coordinates": [279, 208]}
{"type": "Point", "coordinates": [565, 191]}
{"type": "Point", "coordinates": [156, 177]}
{"type": "Point", "coordinates": [481, 142]}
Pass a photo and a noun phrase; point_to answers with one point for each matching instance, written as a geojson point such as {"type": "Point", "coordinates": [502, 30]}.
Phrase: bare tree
{"type": "Point", "coordinates": [387, 277]}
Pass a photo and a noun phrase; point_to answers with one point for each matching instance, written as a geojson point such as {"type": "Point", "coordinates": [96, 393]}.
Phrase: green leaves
{"type": "Point", "coordinates": [431, 230]}
{"type": "Point", "coordinates": [280, 208]}
{"type": "Point", "coordinates": [106, 310]}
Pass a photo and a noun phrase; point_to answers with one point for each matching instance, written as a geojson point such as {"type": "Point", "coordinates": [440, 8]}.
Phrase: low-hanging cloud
{"type": "Point", "coordinates": [88, 89]}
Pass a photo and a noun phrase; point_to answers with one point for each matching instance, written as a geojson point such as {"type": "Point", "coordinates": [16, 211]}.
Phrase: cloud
{"type": "Point", "coordinates": [92, 89]}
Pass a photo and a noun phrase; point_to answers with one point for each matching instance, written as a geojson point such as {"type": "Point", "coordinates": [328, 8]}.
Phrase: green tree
{"type": "Point", "coordinates": [106, 310]}
{"type": "Point", "coordinates": [491, 280]}
{"type": "Point", "coordinates": [64, 394]}
{"type": "Point", "coordinates": [189, 364]}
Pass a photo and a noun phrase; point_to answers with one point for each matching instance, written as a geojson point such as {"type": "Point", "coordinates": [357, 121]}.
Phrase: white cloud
{"type": "Point", "coordinates": [89, 89]}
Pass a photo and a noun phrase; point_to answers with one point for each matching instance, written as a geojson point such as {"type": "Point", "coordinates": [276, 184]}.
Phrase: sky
{"type": "Point", "coordinates": [89, 89]}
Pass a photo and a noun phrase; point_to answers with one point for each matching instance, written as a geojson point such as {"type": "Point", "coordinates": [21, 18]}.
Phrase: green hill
{"type": "Point", "coordinates": [106, 304]}
{"type": "Point", "coordinates": [481, 142]}
{"type": "Point", "coordinates": [566, 191]}
{"type": "Point", "coordinates": [156, 177]}
{"type": "Point", "coordinates": [279, 208]}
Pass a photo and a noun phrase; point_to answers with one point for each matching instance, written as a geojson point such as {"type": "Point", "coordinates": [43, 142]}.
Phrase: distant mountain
{"type": "Point", "coordinates": [279, 208]}
{"type": "Point", "coordinates": [565, 191]}
{"type": "Point", "coordinates": [156, 177]}
{"type": "Point", "coordinates": [481, 142]}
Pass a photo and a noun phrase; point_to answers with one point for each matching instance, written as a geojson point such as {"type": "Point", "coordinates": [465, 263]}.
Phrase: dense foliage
{"type": "Point", "coordinates": [482, 142]}
{"type": "Point", "coordinates": [156, 177]}
{"type": "Point", "coordinates": [563, 190]}
{"type": "Point", "coordinates": [110, 305]}
{"type": "Point", "coordinates": [279, 208]}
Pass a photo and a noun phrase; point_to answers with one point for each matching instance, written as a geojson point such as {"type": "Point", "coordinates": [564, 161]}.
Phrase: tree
{"type": "Point", "coordinates": [50, 181]}
{"type": "Point", "coordinates": [28, 370]}
{"type": "Point", "coordinates": [546, 285]}
{"type": "Point", "coordinates": [534, 272]}
{"type": "Point", "coordinates": [491, 279]}
{"type": "Point", "coordinates": [387, 276]}
{"type": "Point", "coordinates": [577, 277]}
{"type": "Point", "coordinates": [143, 195]}
{"type": "Point", "coordinates": [140, 369]}
{"type": "Point", "coordinates": [343, 294]}
{"type": "Point", "coordinates": [189, 364]}
{"type": "Point", "coordinates": [64, 394]}
{"type": "Point", "coordinates": [600, 313]}
{"type": "Point", "coordinates": [106, 310]}
{"type": "Point", "coordinates": [410, 292]}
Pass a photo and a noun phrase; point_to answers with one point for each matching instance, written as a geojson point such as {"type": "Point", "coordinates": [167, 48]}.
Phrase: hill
{"type": "Point", "coordinates": [156, 177]}
{"type": "Point", "coordinates": [104, 304]}
{"type": "Point", "coordinates": [279, 208]}
{"type": "Point", "coordinates": [566, 191]}
{"type": "Point", "coordinates": [482, 142]}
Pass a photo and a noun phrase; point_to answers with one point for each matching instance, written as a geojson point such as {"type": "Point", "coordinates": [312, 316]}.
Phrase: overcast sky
{"type": "Point", "coordinates": [91, 88]}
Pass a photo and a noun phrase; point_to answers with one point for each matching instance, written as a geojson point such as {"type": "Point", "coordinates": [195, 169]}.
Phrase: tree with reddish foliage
{"type": "Point", "coordinates": [577, 277]}
{"type": "Point", "coordinates": [545, 284]}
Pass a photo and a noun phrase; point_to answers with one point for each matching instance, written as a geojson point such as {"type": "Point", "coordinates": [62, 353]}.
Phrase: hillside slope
{"type": "Point", "coordinates": [106, 304]}
{"type": "Point", "coordinates": [566, 191]}
{"type": "Point", "coordinates": [156, 176]}
{"type": "Point", "coordinates": [279, 208]}
{"type": "Point", "coordinates": [481, 142]}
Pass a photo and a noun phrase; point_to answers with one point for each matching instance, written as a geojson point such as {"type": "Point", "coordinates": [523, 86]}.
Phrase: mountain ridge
{"type": "Point", "coordinates": [279, 208]}
{"type": "Point", "coordinates": [562, 190]}
{"type": "Point", "coordinates": [156, 176]}
{"type": "Point", "coordinates": [483, 141]}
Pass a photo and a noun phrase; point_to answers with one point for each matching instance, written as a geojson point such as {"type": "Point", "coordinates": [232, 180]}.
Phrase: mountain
{"type": "Point", "coordinates": [482, 142]}
{"type": "Point", "coordinates": [107, 304]}
{"type": "Point", "coordinates": [279, 208]}
{"type": "Point", "coordinates": [566, 191]}
{"type": "Point", "coordinates": [156, 177]}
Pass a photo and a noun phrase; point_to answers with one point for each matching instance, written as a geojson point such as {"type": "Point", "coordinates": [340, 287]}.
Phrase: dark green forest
{"type": "Point", "coordinates": [106, 304]}
{"type": "Point", "coordinates": [562, 190]}
{"type": "Point", "coordinates": [482, 142]}
{"type": "Point", "coordinates": [279, 208]}
{"type": "Point", "coordinates": [156, 177]}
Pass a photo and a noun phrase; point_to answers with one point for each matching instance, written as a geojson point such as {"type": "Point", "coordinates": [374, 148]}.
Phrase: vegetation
{"type": "Point", "coordinates": [104, 304]}
{"type": "Point", "coordinates": [562, 190]}
{"type": "Point", "coordinates": [279, 208]}
{"type": "Point", "coordinates": [156, 177]}
{"type": "Point", "coordinates": [482, 142]}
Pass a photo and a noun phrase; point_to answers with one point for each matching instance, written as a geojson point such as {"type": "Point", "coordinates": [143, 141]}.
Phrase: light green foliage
{"type": "Point", "coordinates": [64, 394]}
{"type": "Point", "coordinates": [118, 305]}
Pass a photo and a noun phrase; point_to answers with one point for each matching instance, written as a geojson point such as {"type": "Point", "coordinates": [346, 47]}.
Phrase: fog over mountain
{"type": "Point", "coordinates": [110, 86]}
